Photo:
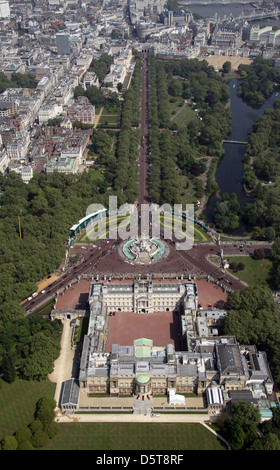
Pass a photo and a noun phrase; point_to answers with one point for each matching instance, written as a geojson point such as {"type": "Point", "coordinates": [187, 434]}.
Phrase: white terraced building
{"type": "Point", "coordinates": [143, 296]}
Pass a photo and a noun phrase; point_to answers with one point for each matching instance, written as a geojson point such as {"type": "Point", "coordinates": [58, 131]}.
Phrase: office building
{"type": "Point", "coordinates": [62, 44]}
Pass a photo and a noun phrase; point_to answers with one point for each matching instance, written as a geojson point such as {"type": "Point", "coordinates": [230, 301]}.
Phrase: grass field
{"type": "Point", "coordinates": [134, 436]}
{"type": "Point", "coordinates": [184, 115]}
{"type": "Point", "coordinates": [111, 120]}
{"type": "Point", "coordinates": [200, 235]}
{"type": "Point", "coordinates": [18, 401]}
{"type": "Point", "coordinates": [111, 117]}
{"type": "Point", "coordinates": [181, 115]}
{"type": "Point", "coordinates": [256, 272]}
{"type": "Point", "coordinates": [89, 235]}
{"type": "Point", "coordinates": [187, 191]}
{"type": "Point", "coordinates": [96, 174]}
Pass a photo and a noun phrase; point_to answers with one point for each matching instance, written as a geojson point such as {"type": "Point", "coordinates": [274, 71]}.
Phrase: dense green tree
{"type": "Point", "coordinates": [246, 414]}
{"type": "Point", "coordinates": [258, 83]}
{"type": "Point", "coordinates": [236, 436]}
{"type": "Point", "coordinates": [270, 442]}
{"type": "Point", "coordinates": [39, 363]}
{"type": "Point", "coordinates": [275, 258]}
{"type": "Point", "coordinates": [259, 253]}
{"type": "Point", "coordinates": [276, 417]}
{"type": "Point", "coordinates": [269, 234]}
{"type": "Point", "coordinates": [242, 428]}
{"type": "Point", "coordinates": [225, 214]}
{"type": "Point", "coordinates": [185, 79]}
{"type": "Point", "coordinates": [45, 410]}
{"type": "Point", "coordinates": [175, 87]}
{"type": "Point", "coordinates": [46, 216]}
{"type": "Point", "coordinates": [52, 429]}
{"type": "Point", "coordinates": [26, 445]}
{"type": "Point", "coordinates": [39, 438]}
{"type": "Point", "coordinates": [252, 319]}
{"type": "Point", "coordinates": [27, 80]}
{"type": "Point", "coordinates": [46, 401]}
{"type": "Point", "coordinates": [9, 443]}
{"type": "Point", "coordinates": [23, 435]}
{"type": "Point", "coordinates": [8, 367]}
{"type": "Point", "coordinates": [101, 66]}
{"type": "Point", "coordinates": [227, 66]}
{"type": "Point", "coordinates": [35, 425]}
{"type": "Point", "coordinates": [250, 214]}
{"type": "Point", "coordinates": [45, 414]}
{"type": "Point", "coordinates": [17, 80]}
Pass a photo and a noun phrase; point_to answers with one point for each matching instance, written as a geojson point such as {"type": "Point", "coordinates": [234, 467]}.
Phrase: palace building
{"type": "Point", "coordinates": [145, 368]}
{"type": "Point", "coordinates": [142, 296]}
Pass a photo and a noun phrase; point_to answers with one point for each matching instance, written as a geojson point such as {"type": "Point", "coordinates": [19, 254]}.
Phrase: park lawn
{"type": "Point", "coordinates": [187, 194]}
{"type": "Point", "coordinates": [96, 174]}
{"type": "Point", "coordinates": [46, 308]}
{"type": "Point", "coordinates": [18, 402]}
{"type": "Point", "coordinates": [181, 113]}
{"type": "Point", "coordinates": [133, 436]}
{"type": "Point", "coordinates": [175, 104]}
{"type": "Point", "coordinates": [88, 235]}
{"type": "Point", "coordinates": [184, 115]}
{"type": "Point", "coordinates": [200, 235]}
{"type": "Point", "coordinates": [111, 110]}
{"type": "Point", "coordinates": [256, 272]}
{"type": "Point", "coordinates": [110, 115]}
{"type": "Point", "coordinates": [111, 119]}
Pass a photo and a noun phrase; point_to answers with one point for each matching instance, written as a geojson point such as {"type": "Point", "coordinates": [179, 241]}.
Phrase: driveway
{"type": "Point", "coordinates": [63, 365]}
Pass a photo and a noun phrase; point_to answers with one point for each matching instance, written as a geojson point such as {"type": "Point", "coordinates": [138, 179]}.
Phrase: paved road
{"type": "Point", "coordinates": [143, 154]}
{"type": "Point", "coordinates": [132, 418]}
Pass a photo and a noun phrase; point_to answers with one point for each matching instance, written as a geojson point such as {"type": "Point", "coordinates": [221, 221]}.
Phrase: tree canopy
{"type": "Point", "coordinates": [17, 80]}
{"type": "Point", "coordinates": [261, 174]}
{"type": "Point", "coordinates": [259, 79]}
{"type": "Point", "coordinates": [225, 214]}
{"type": "Point", "coordinates": [252, 319]}
{"type": "Point", "coordinates": [175, 150]}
